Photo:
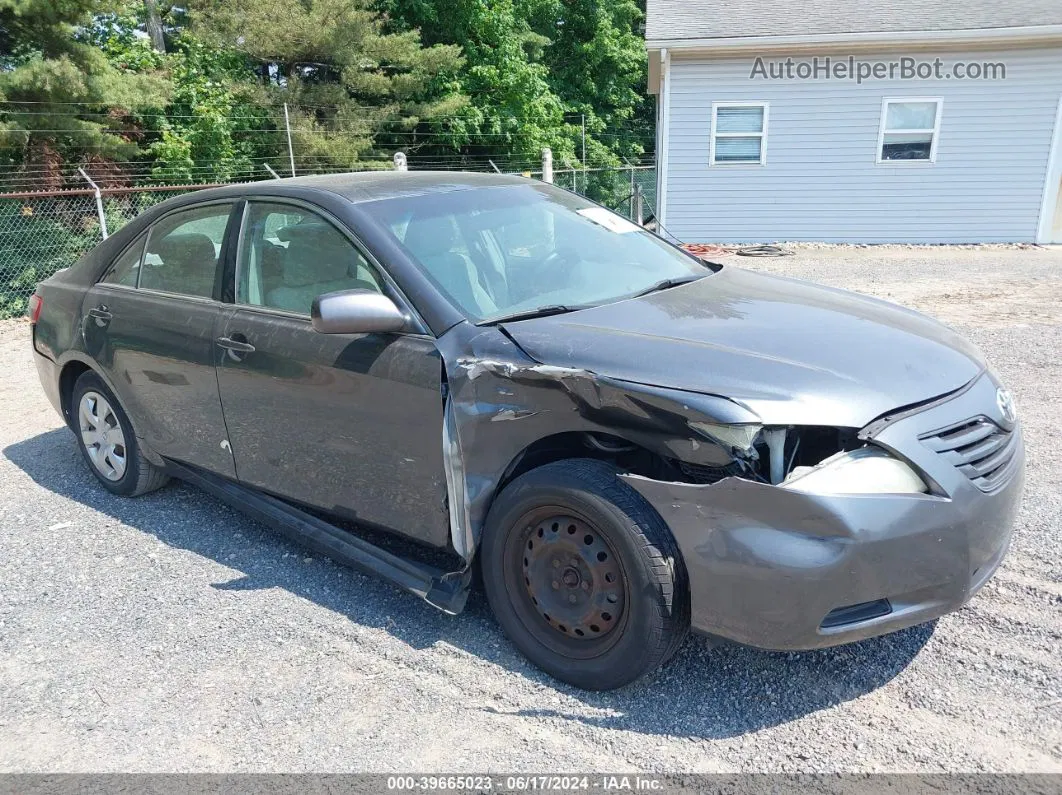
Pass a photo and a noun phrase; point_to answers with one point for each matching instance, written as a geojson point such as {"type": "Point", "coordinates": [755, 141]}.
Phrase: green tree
{"type": "Point", "coordinates": [343, 76]}
{"type": "Point", "coordinates": [217, 126]}
{"type": "Point", "coordinates": [61, 97]}
{"type": "Point", "coordinates": [535, 71]}
{"type": "Point", "coordinates": [598, 66]}
{"type": "Point", "coordinates": [512, 111]}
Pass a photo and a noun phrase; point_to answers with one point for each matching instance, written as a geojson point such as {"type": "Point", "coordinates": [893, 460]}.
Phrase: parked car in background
{"type": "Point", "coordinates": [628, 441]}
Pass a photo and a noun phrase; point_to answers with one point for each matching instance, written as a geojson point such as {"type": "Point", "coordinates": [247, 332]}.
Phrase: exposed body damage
{"type": "Point", "coordinates": [770, 565]}
{"type": "Point", "coordinates": [778, 568]}
{"type": "Point", "coordinates": [679, 430]}
{"type": "Point", "coordinates": [534, 402]}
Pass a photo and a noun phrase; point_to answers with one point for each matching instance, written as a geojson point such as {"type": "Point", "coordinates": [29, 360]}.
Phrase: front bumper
{"type": "Point", "coordinates": [768, 565]}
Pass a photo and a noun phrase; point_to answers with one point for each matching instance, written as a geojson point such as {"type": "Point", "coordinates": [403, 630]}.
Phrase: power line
{"type": "Point", "coordinates": [570, 114]}
{"type": "Point", "coordinates": [129, 166]}
{"type": "Point", "coordinates": [574, 116]}
{"type": "Point", "coordinates": [367, 132]}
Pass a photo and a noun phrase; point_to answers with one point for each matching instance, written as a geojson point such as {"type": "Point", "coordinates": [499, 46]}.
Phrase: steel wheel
{"type": "Point", "coordinates": [101, 433]}
{"type": "Point", "coordinates": [583, 575]}
{"type": "Point", "coordinates": [574, 591]}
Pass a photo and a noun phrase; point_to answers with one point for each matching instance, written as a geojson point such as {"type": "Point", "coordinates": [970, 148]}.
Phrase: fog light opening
{"type": "Point", "coordinates": [854, 614]}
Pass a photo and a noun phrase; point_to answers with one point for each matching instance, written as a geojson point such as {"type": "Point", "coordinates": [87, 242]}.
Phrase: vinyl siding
{"type": "Point", "coordinates": [821, 180]}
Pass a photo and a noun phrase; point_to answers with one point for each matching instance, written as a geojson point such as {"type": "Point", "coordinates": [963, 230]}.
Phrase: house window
{"type": "Point", "coordinates": [909, 130]}
{"type": "Point", "coordinates": [739, 133]}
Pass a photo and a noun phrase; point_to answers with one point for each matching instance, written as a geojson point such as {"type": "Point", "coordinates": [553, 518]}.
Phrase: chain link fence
{"type": "Point", "coordinates": [614, 186]}
{"type": "Point", "coordinates": [41, 233]}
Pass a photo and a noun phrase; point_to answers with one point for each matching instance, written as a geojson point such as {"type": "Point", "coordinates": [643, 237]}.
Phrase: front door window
{"type": "Point", "coordinates": [291, 255]}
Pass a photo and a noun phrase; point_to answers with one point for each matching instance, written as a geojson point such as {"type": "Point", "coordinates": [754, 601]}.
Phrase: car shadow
{"type": "Point", "coordinates": [708, 690]}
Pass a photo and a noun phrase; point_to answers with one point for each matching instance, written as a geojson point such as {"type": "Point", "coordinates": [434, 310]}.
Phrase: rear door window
{"type": "Point", "coordinates": [183, 250]}
{"type": "Point", "coordinates": [126, 269]}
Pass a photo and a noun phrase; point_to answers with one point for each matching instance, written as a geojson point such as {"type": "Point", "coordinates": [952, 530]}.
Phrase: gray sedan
{"type": "Point", "coordinates": [627, 442]}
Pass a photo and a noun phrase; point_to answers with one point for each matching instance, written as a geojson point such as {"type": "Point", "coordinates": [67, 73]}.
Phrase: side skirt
{"type": "Point", "coordinates": [447, 591]}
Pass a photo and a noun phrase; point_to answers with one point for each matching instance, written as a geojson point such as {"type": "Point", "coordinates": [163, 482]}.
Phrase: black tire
{"type": "Point", "coordinates": [140, 475]}
{"type": "Point", "coordinates": [616, 534]}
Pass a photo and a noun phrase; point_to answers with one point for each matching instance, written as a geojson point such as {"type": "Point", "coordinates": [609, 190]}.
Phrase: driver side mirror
{"type": "Point", "coordinates": [355, 312]}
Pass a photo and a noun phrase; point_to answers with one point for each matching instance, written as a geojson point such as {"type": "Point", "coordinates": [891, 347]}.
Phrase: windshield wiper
{"type": "Point", "coordinates": [527, 314]}
{"type": "Point", "coordinates": [666, 284]}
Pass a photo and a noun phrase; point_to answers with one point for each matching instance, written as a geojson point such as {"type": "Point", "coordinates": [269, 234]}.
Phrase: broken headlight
{"type": "Point", "coordinates": [731, 437]}
{"type": "Point", "coordinates": [868, 470]}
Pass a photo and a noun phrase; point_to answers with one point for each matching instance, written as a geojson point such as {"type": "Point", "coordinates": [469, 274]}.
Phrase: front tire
{"type": "Point", "coordinates": [107, 441]}
{"type": "Point", "coordinates": [584, 576]}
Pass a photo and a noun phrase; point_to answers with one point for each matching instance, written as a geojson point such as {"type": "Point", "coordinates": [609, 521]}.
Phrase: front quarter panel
{"type": "Point", "coordinates": [499, 402]}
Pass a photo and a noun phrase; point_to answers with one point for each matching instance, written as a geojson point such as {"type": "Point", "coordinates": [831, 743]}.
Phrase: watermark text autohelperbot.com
{"type": "Point", "coordinates": [851, 68]}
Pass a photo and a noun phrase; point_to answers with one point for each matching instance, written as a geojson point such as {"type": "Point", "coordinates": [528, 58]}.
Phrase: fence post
{"type": "Point", "coordinates": [99, 202]}
{"type": "Point", "coordinates": [291, 150]}
{"type": "Point", "coordinates": [638, 215]}
{"type": "Point", "coordinates": [269, 168]}
{"type": "Point", "coordinates": [583, 116]}
{"type": "Point", "coordinates": [633, 189]}
{"type": "Point", "coordinates": [547, 165]}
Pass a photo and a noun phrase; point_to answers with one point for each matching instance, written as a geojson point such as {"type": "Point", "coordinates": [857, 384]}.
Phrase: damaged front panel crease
{"type": "Point", "coordinates": [500, 403]}
{"type": "Point", "coordinates": [461, 534]}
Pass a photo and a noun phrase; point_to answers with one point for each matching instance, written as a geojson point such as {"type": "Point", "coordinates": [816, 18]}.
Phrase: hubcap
{"type": "Point", "coordinates": [102, 435]}
{"type": "Point", "coordinates": [573, 577]}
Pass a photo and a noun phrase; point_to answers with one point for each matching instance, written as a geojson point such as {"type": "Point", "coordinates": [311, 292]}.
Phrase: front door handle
{"type": "Point", "coordinates": [101, 315]}
{"type": "Point", "coordinates": [236, 346]}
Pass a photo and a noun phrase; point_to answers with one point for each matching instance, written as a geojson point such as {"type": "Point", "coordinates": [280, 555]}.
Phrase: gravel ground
{"type": "Point", "coordinates": [169, 633]}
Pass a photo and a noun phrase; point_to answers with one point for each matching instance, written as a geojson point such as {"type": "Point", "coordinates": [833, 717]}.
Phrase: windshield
{"type": "Point", "coordinates": [515, 250]}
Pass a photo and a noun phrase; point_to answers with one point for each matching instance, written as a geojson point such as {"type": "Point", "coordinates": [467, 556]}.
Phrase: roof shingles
{"type": "Point", "coordinates": [704, 19]}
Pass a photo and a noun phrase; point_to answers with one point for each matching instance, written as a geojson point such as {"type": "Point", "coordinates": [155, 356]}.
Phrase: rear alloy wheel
{"type": "Point", "coordinates": [107, 440]}
{"type": "Point", "coordinates": [584, 576]}
{"type": "Point", "coordinates": [102, 436]}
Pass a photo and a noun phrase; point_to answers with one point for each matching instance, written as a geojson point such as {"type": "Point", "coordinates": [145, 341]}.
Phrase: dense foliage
{"type": "Point", "coordinates": [62, 97]}
{"type": "Point", "coordinates": [196, 91]}
{"type": "Point", "coordinates": [149, 91]}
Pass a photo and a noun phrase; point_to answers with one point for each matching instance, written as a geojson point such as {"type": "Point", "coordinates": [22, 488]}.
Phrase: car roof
{"type": "Point", "coordinates": [366, 186]}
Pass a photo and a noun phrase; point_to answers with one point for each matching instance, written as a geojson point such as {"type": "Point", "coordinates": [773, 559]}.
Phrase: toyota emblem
{"type": "Point", "coordinates": [1006, 405]}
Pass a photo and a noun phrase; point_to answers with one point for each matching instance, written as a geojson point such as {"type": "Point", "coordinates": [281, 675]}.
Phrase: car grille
{"type": "Point", "coordinates": [979, 448]}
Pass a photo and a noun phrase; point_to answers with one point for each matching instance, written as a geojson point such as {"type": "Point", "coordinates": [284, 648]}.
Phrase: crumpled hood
{"type": "Point", "coordinates": [792, 351]}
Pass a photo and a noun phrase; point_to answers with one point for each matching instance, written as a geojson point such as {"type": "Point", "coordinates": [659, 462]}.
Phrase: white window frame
{"type": "Point", "coordinates": [885, 102]}
{"type": "Point", "coordinates": [713, 134]}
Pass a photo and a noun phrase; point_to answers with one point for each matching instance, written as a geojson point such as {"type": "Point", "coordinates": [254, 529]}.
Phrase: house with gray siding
{"type": "Point", "coordinates": [885, 121]}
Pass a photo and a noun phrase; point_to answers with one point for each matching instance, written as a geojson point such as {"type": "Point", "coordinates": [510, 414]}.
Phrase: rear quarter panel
{"type": "Point", "coordinates": [58, 328]}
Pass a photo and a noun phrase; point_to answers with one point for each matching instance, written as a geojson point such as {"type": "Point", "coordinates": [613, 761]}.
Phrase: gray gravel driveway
{"type": "Point", "coordinates": [169, 633]}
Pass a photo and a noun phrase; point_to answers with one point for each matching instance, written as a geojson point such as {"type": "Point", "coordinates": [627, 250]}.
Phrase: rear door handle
{"type": "Point", "coordinates": [236, 348]}
{"type": "Point", "coordinates": [101, 315]}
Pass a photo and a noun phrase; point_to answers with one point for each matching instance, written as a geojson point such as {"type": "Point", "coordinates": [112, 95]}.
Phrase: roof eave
{"type": "Point", "coordinates": [1032, 34]}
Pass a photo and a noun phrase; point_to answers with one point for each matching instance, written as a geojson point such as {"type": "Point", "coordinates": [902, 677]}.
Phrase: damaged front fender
{"type": "Point", "coordinates": [499, 402]}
